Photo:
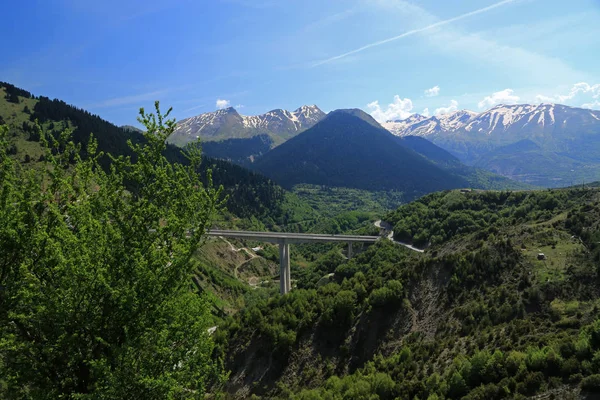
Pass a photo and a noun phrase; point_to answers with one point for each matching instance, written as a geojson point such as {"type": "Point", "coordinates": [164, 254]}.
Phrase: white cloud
{"type": "Point", "coordinates": [595, 105]}
{"type": "Point", "coordinates": [447, 110]}
{"type": "Point", "coordinates": [238, 106]}
{"type": "Point", "coordinates": [399, 109]}
{"type": "Point", "coordinates": [434, 91]}
{"type": "Point", "coordinates": [425, 112]}
{"type": "Point", "coordinates": [581, 88]}
{"type": "Point", "coordinates": [505, 96]}
{"type": "Point", "coordinates": [221, 104]}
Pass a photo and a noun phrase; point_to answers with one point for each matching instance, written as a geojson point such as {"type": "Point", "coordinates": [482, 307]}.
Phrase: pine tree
{"type": "Point", "coordinates": [12, 97]}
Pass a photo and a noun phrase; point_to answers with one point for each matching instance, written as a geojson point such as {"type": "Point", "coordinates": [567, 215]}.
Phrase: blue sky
{"type": "Point", "coordinates": [388, 57]}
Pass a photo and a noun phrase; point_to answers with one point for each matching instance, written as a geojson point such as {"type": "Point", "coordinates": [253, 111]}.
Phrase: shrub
{"type": "Point", "coordinates": [591, 383]}
{"type": "Point", "coordinates": [391, 294]}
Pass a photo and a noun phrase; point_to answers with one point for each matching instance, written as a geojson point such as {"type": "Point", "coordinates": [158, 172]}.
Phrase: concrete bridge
{"type": "Point", "coordinates": [284, 239]}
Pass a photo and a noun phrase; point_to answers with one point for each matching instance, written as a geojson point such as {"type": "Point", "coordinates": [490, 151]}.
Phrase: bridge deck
{"type": "Point", "coordinates": [279, 237]}
{"type": "Point", "coordinates": [284, 239]}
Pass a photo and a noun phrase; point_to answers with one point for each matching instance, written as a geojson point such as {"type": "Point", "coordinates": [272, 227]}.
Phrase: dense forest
{"type": "Point", "coordinates": [479, 315]}
{"type": "Point", "coordinates": [238, 151]}
{"type": "Point", "coordinates": [439, 217]}
{"type": "Point", "coordinates": [95, 299]}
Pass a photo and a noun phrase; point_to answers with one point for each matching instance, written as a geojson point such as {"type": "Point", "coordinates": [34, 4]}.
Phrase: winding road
{"type": "Point", "coordinates": [387, 227]}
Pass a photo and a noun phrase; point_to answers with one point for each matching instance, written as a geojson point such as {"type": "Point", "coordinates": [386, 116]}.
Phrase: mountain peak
{"type": "Point", "coordinates": [500, 117]}
{"type": "Point", "coordinates": [227, 110]}
{"type": "Point", "coordinates": [411, 118]}
{"type": "Point", "coordinates": [357, 112]}
{"type": "Point", "coordinates": [350, 149]}
{"type": "Point", "coordinates": [307, 108]}
{"type": "Point", "coordinates": [227, 123]}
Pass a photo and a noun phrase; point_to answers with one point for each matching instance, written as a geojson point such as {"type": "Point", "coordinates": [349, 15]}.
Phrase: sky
{"type": "Point", "coordinates": [390, 58]}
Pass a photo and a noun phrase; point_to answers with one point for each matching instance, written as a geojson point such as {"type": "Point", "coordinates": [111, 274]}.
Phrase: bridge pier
{"type": "Point", "coordinates": [285, 283]}
{"type": "Point", "coordinates": [283, 239]}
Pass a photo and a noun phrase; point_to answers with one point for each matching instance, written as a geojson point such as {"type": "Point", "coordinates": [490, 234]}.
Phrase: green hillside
{"type": "Point", "coordinates": [502, 303]}
{"type": "Point", "coordinates": [238, 151]}
{"type": "Point", "coordinates": [479, 315]}
{"type": "Point", "coordinates": [250, 195]}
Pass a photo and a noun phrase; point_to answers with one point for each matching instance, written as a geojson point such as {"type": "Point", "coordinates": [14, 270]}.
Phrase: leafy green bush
{"type": "Point", "coordinates": [95, 297]}
{"type": "Point", "coordinates": [389, 295]}
{"type": "Point", "coordinates": [591, 383]}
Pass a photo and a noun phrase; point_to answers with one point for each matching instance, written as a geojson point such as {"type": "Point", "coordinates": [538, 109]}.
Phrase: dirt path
{"type": "Point", "coordinates": [387, 227]}
{"type": "Point", "coordinates": [234, 249]}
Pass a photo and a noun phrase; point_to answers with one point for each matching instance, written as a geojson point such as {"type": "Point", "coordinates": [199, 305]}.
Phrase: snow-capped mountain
{"type": "Point", "coordinates": [228, 124]}
{"type": "Point", "coordinates": [540, 144]}
{"type": "Point", "coordinates": [521, 120]}
{"type": "Point", "coordinates": [419, 125]}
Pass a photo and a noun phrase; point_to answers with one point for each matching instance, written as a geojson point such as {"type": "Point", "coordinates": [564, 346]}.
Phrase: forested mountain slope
{"type": "Point", "coordinates": [249, 194]}
{"type": "Point", "coordinates": [477, 177]}
{"type": "Point", "coordinates": [479, 315]}
{"type": "Point", "coordinates": [348, 151]}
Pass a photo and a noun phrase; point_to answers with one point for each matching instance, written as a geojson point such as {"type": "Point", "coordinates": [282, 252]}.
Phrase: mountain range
{"type": "Point", "coordinates": [249, 194]}
{"type": "Point", "coordinates": [227, 123]}
{"type": "Point", "coordinates": [547, 145]}
{"type": "Point", "coordinates": [348, 148]}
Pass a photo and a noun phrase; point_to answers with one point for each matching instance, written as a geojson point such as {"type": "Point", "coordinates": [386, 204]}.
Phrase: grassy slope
{"type": "Point", "coordinates": [14, 116]}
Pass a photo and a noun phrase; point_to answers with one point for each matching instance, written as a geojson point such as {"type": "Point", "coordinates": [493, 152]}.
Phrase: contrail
{"type": "Point", "coordinates": [415, 31]}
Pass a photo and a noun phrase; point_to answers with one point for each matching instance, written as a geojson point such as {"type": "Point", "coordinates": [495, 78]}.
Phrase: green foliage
{"type": "Point", "coordinates": [591, 383]}
{"type": "Point", "coordinates": [439, 217]}
{"type": "Point", "coordinates": [333, 201]}
{"type": "Point", "coordinates": [360, 387]}
{"type": "Point", "coordinates": [341, 311]}
{"type": "Point", "coordinates": [468, 318]}
{"type": "Point", "coordinates": [248, 194]}
{"type": "Point", "coordinates": [239, 151]}
{"type": "Point", "coordinates": [391, 294]}
{"type": "Point", "coordinates": [95, 272]}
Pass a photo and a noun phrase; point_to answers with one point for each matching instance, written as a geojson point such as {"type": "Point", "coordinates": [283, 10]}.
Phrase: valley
{"type": "Point", "coordinates": [300, 200]}
{"type": "Point", "coordinates": [457, 304]}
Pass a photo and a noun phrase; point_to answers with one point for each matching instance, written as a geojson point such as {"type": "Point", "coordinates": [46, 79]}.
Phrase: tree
{"type": "Point", "coordinates": [456, 386]}
{"type": "Point", "coordinates": [95, 298]}
{"type": "Point", "coordinates": [12, 97]}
